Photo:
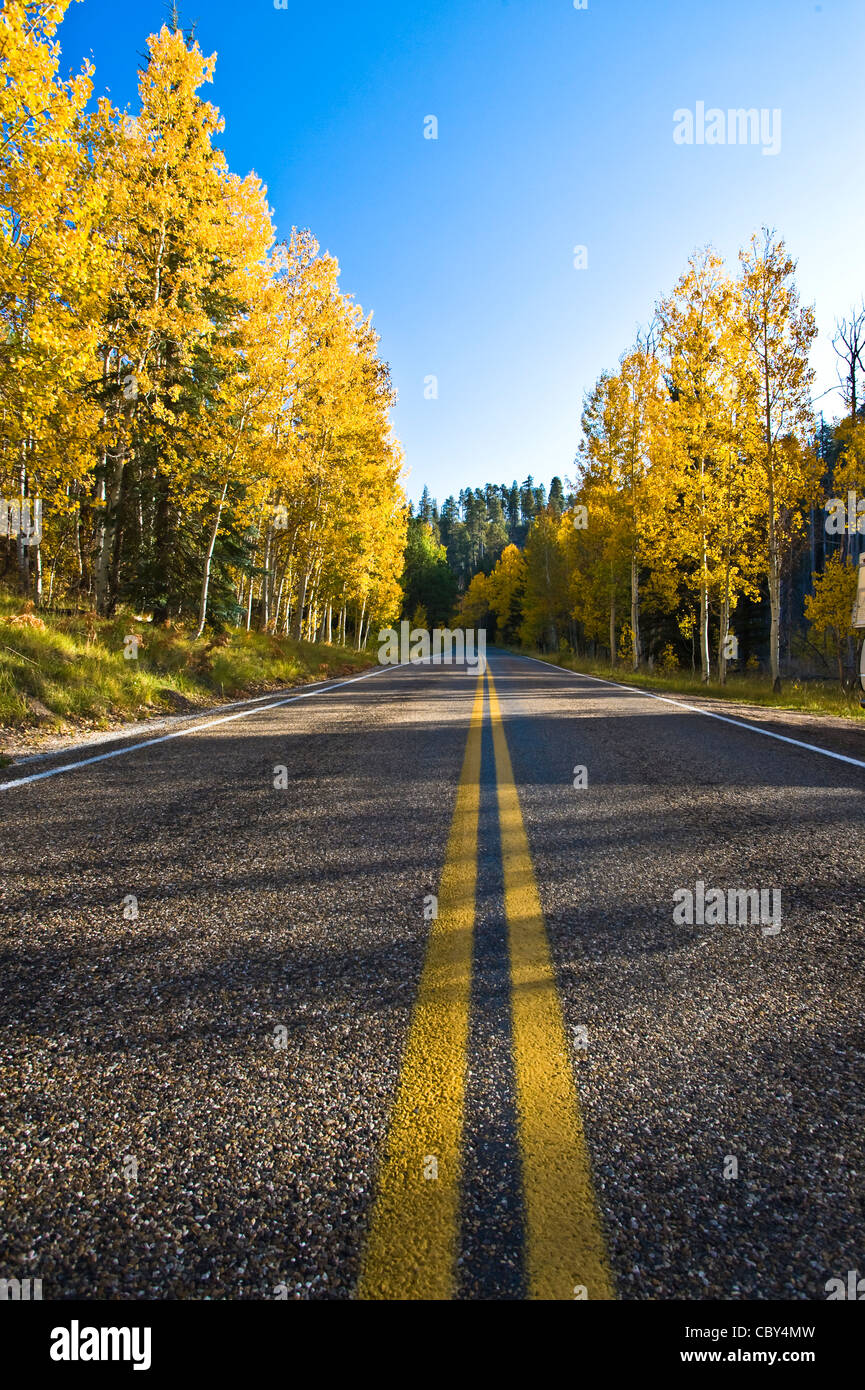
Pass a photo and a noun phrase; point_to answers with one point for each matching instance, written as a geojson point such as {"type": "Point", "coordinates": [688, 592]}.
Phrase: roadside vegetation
{"type": "Point", "coordinates": [73, 672]}
{"type": "Point", "coordinates": [809, 696]}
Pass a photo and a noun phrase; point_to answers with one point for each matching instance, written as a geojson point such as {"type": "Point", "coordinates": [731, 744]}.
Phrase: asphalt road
{"type": "Point", "coordinates": [279, 1079]}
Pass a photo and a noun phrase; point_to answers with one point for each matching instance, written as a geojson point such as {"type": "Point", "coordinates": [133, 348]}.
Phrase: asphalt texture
{"type": "Point", "coordinates": [196, 1098]}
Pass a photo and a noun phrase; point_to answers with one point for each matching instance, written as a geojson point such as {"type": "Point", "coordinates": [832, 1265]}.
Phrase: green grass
{"type": "Point", "coordinates": [76, 668]}
{"type": "Point", "coordinates": [813, 697]}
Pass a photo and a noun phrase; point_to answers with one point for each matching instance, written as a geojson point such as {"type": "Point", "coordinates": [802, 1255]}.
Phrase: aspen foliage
{"type": "Point", "coordinates": [198, 409]}
{"type": "Point", "coordinates": [697, 478]}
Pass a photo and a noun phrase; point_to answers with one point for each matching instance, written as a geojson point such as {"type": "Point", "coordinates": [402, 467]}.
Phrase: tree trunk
{"type": "Point", "coordinates": [704, 634]}
{"type": "Point", "coordinates": [163, 540]}
{"type": "Point", "coordinates": [774, 556]}
{"type": "Point", "coordinates": [78, 558]}
{"type": "Point", "coordinates": [635, 611]}
{"type": "Point", "coordinates": [612, 627]}
{"type": "Point", "coordinates": [249, 604]}
{"type": "Point", "coordinates": [205, 581]}
{"type": "Point", "coordinates": [774, 592]}
{"type": "Point", "coordinates": [301, 603]}
{"type": "Point", "coordinates": [265, 580]}
{"type": "Point", "coordinates": [108, 557]}
{"type": "Point", "coordinates": [775, 631]}
{"type": "Point", "coordinates": [23, 537]}
{"type": "Point", "coordinates": [725, 626]}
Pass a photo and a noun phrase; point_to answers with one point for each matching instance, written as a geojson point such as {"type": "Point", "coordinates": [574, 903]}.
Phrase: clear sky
{"type": "Point", "coordinates": [555, 129]}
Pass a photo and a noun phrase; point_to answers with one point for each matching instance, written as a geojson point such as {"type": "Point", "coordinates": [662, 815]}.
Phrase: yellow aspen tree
{"type": "Point", "coordinates": [597, 559]}
{"type": "Point", "coordinates": [52, 269]}
{"type": "Point", "coordinates": [693, 456]}
{"type": "Point", "coordinates": [545, 601]}
{"type": "Point", "coordinates": [187, 230]}
{"type": "Point", "coordinates": [786, 471]}
{"type": "Point", "coordinates": [614, 449]}
{"type": "Point", "coordinates": [829, 609]}
{"type": "Point", "coordinates": [507, 585]}
{"type": "Point", "coordinates": [226, 466]}
{"type": "Point", "coordinates": [849, 477]}
{"type": "Point", "coordinates": [640, 387]}
{"type": "Point", "coordinates": [474, 608]}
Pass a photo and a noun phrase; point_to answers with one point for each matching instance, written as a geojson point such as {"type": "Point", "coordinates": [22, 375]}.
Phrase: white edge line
{"type": "Point", "coordinates": [195, 729]}
{"type": "Point", "coordinates": [694, 709]}
{"type": "Point", "coordinates": [158, 722]}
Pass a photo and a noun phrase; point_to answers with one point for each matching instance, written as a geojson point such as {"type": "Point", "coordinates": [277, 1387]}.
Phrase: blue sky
{"type": "Point", "coordinates": [555, 130]}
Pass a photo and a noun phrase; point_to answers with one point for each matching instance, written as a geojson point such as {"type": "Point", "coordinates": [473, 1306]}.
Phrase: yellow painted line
{"type": "Point", "coordinates": [412, 1247]}
{"type": "Point", "coordinates": [565, 1248]}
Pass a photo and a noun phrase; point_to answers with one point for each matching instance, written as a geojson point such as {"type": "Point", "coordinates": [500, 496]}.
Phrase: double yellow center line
{"type": "Point", "coordinates": [414, 1237]}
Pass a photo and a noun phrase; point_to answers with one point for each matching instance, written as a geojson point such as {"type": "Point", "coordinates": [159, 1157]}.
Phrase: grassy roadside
{"type": "Point", "coordinates": [63, 674]}
{"type": "Point", "coordinates": [810, 697]}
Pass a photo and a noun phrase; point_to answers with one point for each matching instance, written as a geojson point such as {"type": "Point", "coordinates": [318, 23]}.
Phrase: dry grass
{"type": "Point", "coordinates": [812, 697]}
{"type": "Point", "coordinates": [73, 671]}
